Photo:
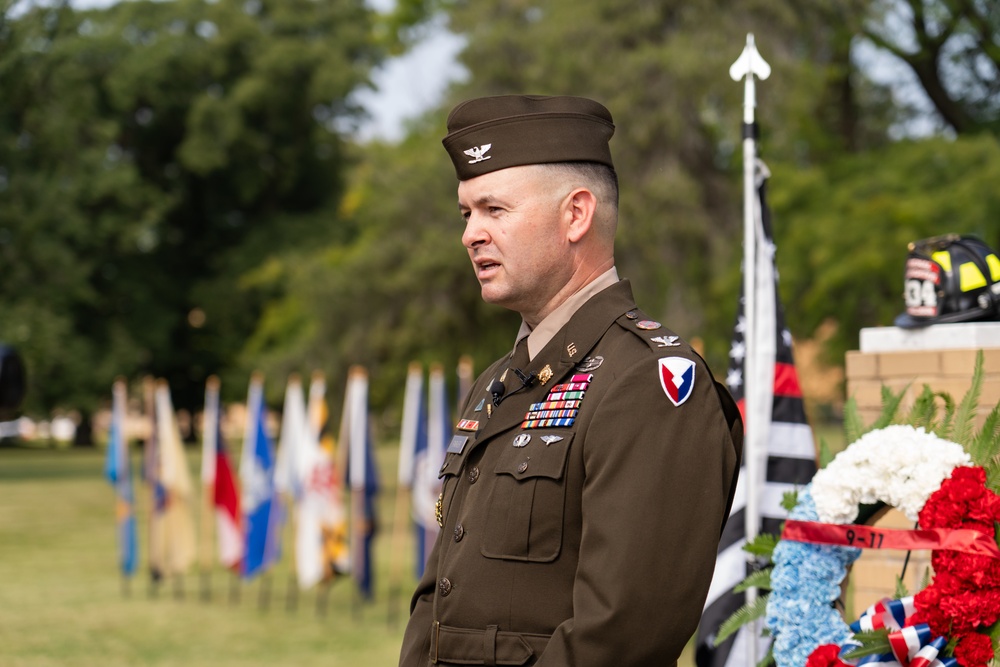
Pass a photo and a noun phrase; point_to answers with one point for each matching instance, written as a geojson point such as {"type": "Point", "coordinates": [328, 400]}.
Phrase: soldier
{"type": "Point", "coordinates": [592, 469]}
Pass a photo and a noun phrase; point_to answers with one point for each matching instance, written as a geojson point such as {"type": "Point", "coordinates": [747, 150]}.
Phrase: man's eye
{"type": "Point", "coordinates": [495, 210]}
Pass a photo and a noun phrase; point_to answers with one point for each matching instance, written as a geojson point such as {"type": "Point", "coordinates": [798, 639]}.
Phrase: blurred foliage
{"type": "Point", "coordinates": [953, 49]}
{"type": "Point", "coordinates": [661, 67]}
{"type": "Point", "coordinates": [845, 226]}
{"type": "Point", "coordinates": [160, 160]}
{"type": "Point", "coordinates": [152, 153]}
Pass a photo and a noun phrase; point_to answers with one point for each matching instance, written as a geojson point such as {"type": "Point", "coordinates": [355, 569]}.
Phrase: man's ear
{"type": "Point", "coordinates": [580, 206]}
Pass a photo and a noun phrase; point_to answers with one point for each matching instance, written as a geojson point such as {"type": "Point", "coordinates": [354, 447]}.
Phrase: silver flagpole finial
{"type": "Point", "coordinates": [750, 62]}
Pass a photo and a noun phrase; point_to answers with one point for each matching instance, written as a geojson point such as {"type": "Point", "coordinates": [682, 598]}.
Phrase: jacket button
{"type": "Point", "coordinates": [473, 475]}
{"type": "Point", "coordinates": [459, 533]}
{"type": "Point", "coordinates": [523, 466]}
{"type": "Point", "coordinates": [444, 587]}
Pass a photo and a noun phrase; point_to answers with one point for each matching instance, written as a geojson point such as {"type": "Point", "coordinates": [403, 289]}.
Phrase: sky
{"type": "Point", "coordinates": [411, 84]}
{"type": "Point", "coordinates": [408, 85]}
{"type": "Point", "coordinates": [405, 86]}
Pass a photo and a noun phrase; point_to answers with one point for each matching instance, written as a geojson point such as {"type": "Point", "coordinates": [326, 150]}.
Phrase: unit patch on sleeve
{"type": "Point", "coordinates": [677, 378]}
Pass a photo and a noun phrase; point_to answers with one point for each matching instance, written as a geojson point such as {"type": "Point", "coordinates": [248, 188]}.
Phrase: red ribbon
{"type": "Point", "coordinates": [866, 537]}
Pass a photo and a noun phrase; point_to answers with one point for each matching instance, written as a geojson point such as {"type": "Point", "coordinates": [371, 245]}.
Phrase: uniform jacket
{"type": "Point", "coordinates": [583, 540]}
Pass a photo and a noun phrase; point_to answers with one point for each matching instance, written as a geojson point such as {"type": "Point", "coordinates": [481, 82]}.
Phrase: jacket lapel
{"type": "Point", "coordinates": [566, 349]}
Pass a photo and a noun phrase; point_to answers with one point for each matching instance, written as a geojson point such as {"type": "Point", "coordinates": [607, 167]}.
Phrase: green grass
{"type": "Point", "coordinates": [62, 600]}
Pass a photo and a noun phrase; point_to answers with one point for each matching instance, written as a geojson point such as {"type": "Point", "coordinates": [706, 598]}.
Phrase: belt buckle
{"type": "Point", "coordinates": [436, 640]}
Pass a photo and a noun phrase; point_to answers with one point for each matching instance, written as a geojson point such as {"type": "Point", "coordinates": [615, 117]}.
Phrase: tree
{"type": "Point", "coordinates": [845, 227]}
{"type": "Point", "coordinates": [953, 49]}
{"type": "Point", "coordinates": [846, 198]}
{"type": "Point", "coordinates": [151, 154]}
{"type": "Point", "coordinates": [403, 288]}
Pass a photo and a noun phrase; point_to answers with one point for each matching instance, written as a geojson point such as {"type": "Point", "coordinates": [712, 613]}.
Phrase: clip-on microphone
{"type": "Point", "coordinates": [497, 389]}
{"type": "Point", "coordinates": [526, 380]}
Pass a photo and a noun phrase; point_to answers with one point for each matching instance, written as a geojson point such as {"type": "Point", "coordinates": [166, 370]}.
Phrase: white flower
{"type": "Point", "coordinates": [898, 465]}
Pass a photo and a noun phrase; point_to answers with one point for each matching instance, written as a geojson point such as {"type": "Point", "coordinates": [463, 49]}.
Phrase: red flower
{"type": "Point", "coordinates": [826, 655]}
{"type": "Point", "coordinates": [964, 598]}
{"type": "Point", "coordinates": [974, 650]}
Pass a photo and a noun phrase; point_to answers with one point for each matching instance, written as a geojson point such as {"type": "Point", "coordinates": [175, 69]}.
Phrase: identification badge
{"type": "Point", "coordinates": [457, 444]}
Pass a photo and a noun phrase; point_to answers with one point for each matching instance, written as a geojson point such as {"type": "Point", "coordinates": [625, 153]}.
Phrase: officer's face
{"type": "Point", "coordinates": [516, 238]}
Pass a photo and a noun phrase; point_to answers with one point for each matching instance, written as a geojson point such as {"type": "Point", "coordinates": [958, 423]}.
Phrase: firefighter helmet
{"type": "Point", "coordinates": [950, 278]}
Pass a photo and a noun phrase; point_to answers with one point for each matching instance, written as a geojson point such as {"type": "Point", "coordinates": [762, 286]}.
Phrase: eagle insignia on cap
{"type": "Point", "coordinates": [477, 153]}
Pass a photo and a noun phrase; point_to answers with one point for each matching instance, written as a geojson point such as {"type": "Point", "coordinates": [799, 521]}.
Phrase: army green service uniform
{"type": "Point", "coordinates": [581, 516]}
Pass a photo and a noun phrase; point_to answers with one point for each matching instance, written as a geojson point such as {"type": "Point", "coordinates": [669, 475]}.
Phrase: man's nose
{"type": "Point", "coordinates": [475, 232]}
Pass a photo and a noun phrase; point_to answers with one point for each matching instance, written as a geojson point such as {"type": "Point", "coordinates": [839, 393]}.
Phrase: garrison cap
{"type": "Point", "coordinates": [493, 133]}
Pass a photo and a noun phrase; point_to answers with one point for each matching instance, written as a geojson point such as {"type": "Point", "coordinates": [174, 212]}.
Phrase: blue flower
{"type": "Point", "coordinates": [805, 582]}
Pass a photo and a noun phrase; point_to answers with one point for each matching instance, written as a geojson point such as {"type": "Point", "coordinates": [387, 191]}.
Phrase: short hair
{"type": "Point", "coordinates": [600, 178]}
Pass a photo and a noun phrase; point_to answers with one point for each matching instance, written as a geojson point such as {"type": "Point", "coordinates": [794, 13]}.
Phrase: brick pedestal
{"type": "Point", "coordinates": [942, 356]}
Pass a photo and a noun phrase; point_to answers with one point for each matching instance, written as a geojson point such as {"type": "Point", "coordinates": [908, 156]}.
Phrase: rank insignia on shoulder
{"type": "Point", "coordinates": [666, 341]}
{"type": "Point", "coordinates": [677, 378]}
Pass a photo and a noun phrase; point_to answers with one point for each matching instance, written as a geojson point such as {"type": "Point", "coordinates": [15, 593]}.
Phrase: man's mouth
{"type": "Point", "coordinates": [486, 267]}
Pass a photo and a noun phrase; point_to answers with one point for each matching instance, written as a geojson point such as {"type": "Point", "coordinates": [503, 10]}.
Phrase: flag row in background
{"type": "Point", "coordinates": [304, 479]}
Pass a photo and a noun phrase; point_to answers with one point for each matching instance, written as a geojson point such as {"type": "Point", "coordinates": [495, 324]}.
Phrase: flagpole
{"type": "Point", "coordinates": [750, 63]}
{"type": "Point", "coordinates": [404, 483]}
{"type": "Point", "coordinates": [209, 445]}
{"type": "Point", "coordinates": [151, 472]}
{"type": "Point", "coordinates": [355, 409]}
{"type": "Point", "coordinates": [119, 400]}
{"type": "Point", "coordinates": [287, 476]}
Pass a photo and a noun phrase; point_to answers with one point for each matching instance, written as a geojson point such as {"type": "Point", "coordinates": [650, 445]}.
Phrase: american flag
{"type": "Point", "coordinates": [789, 461]}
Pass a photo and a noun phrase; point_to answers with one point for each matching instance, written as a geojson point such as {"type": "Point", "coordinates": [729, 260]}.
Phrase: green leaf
{"type": "Point", "coordinates": [825, 453]}
{"type": "Point", "coordinates": [925, 581]}
{"type": "Point", "coordinates": [901, 591]}
{"type": "Point", "coordinates": [874, 642]}
{"type": "Point", "coordinates": [947, 424]}
{"type": "Point", "coordinates": [992, 469]}
{"type": "Point", "coordinates": [758, 579]}
{"type": "Point", "coordinates": [789, 499]}
{"type": "Point", "coordinates": [986, 444]}
{"type": "Point", "coordinates": [768, 658]}
{"type": "Point", "coordinates": [746, 614]}
{"type": "Point", "coordinates": [853, 427]}
{"type": "Point", "coordinates": [890, 406]}
{"type": "Point", "coordinates": [763, 545]}
{"type": "Point", "coordinates": [994, 632]}
{"type": "Point", "coordinates": [923, 411]}
{"type": "Point", "coordinates": [967, 408]}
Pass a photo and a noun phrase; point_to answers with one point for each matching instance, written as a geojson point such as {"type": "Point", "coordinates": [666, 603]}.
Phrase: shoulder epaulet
{"type": "Point", "coordinates": [659, 338]}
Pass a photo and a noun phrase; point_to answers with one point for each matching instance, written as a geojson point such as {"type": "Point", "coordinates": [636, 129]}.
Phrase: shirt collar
{"type": "Point", "coordinates": [539, 337]}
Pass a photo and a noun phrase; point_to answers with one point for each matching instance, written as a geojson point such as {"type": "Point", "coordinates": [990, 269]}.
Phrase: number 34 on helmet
{"type": "Point", "coordinates": [950, 278]}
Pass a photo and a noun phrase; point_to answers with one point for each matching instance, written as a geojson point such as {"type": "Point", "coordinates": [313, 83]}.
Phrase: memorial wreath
{"type": "Point", "coordinates": [939, 472]}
